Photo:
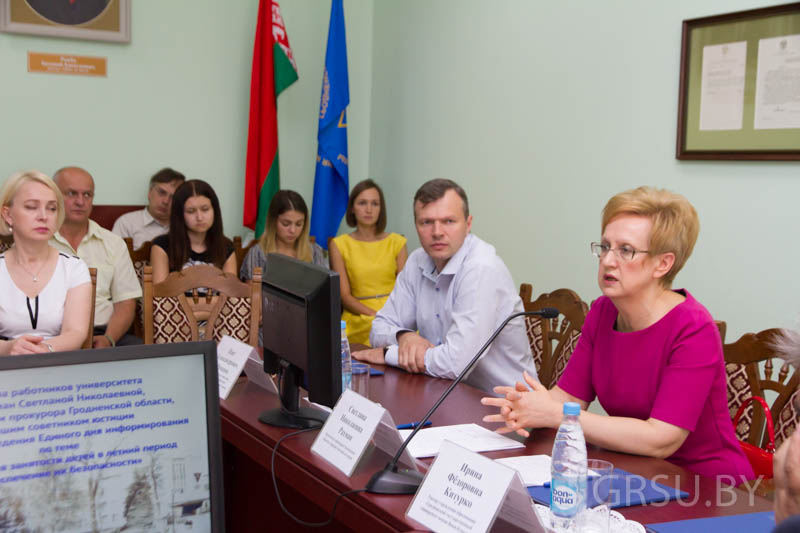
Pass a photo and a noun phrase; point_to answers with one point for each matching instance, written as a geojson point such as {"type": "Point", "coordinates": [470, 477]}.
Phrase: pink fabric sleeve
{"type": "Point", "coordinates": [577, 377]}
{"type": "Point", "coordinates": [686, 380]}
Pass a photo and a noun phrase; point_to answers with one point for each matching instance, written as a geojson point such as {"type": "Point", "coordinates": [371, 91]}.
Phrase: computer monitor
{"type": "Point", "coordinates": [112, 439]}
{"type": "Point", "coordinates": [301, 338]}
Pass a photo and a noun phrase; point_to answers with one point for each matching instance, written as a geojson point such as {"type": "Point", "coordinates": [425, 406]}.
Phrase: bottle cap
{"type": "Point", "coordinates": [572, 408]}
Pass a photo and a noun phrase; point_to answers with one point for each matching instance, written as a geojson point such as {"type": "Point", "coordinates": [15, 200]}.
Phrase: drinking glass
{"type": "Point", "coordinates": [595, 519]}
{"type": "Point", "coordinates": [360, 379]}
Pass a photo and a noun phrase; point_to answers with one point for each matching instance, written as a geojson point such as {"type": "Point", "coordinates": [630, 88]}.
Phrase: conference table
{"type": "Point", "coordinates": [308, 485]}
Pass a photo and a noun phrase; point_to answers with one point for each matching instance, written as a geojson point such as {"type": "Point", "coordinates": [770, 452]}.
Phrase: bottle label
{"type": "Point", "coordinates": [565, 498]}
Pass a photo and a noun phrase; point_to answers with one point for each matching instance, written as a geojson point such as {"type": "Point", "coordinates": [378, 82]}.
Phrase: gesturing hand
{"type": "Point", "coordinates": [521, 407]}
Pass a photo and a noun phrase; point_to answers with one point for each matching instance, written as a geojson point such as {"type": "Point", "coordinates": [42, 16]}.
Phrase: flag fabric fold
{"type": "Point", "coordinates": [274, 70]}
{"type": "Point", "coordinates": [331, 175]}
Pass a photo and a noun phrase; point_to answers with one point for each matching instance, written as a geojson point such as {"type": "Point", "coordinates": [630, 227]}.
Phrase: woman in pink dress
{"type": "Point", "coordinates": [651, 355]}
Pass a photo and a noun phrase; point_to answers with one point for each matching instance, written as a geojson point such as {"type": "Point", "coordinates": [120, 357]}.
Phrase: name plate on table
{"type": "Point", "coordinates": [231, 358]}
{"type": "Point", "coordinates": [349, 429]}
{"type": "Point", "coordinates": [464, 492]}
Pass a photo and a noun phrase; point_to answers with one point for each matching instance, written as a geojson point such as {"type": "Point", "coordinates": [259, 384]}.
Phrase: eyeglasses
{"type": "Point", "coordinates": [624, 252]}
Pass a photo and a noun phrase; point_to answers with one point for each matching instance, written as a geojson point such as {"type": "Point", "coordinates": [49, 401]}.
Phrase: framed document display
{"type": "Point", "coordinates": [740, 86]}
{"type": "Point", "coordinates": [98, 20]}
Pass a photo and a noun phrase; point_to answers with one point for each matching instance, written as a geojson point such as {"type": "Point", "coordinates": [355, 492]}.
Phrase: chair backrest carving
{"type": "Point", "coordinates": [553, 340]}
{"type": "Point", "coordinates": [722, 326]}
{"type": "Point", "coordinates": [241, 252]}
{"type": "Point", "coordinates": [6, 242]}
{"type": "Point", "coordinates": [89, 341]}
{"type": "Point", "coordinates": [227, 306]}
{"type": "Point", "coordinates": [750, 369]}
{"type": "Point", "coordinates": [139, 258]}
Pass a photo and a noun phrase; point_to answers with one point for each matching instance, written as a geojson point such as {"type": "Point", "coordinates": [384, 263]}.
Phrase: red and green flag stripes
{"type": "Point", "coordinates": [274, 70]}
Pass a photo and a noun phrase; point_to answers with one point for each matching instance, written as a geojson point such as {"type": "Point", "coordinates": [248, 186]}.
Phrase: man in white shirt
{"type": "Point", "coordinates": [117, 284]}
{"type": "Point", "coordinates": [152, 221]}
{"type": "Point", "coordinates": [455, 291]}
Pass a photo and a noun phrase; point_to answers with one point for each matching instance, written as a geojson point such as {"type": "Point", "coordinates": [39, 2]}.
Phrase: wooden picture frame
{"type": "Point", "coordinates": [737, 96]}
{"type": "Point", "coordinates": [97, 20]}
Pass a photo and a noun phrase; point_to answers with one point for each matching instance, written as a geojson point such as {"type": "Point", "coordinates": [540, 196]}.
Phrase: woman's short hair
{"type": "Point", "coordinates": [284, 201]}
{"type": "Point", "coordinates": [675, 222]}
{"type": "Point", "coordinates": [360, 187]}
{"type": "Point", "coordinates": [217, 244]}
{"type": "Point", "coordinates": [12, 186]}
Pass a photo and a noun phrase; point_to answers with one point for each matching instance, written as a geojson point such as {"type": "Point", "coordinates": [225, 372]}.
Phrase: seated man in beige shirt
{"type": "Point", "coordinates": [148, 223]}
{"type": "Point", "coordinates": [117, 284]}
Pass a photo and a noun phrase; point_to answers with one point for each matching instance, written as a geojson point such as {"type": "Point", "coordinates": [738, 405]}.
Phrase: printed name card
{"type": "Point", "coordinates": [254, 370]}
{"type": "Point", "coordinates": [464, 492]}
{"type": "Point", "coordinates": [231, 358]}
{"type": "Point", "coordinates": [348, 431]}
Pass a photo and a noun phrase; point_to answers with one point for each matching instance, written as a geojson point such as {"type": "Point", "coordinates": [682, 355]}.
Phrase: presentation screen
{"type": "Point", "coordinates": [120, 439]}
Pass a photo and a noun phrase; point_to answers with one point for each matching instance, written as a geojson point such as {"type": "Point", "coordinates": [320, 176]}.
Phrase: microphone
{"type": "Point", "coordinates": [392, 480]}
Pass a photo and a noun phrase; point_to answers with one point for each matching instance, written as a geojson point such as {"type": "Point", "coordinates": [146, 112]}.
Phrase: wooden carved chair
{"type": "Point", "coordinates": [89, 342]}
{"type": "Point", "coordinates": [6, 241]}
{"type": "Point", "coordinates": [241, 252]}
{"type": "Point", "coordinates": [229, 307]}
{"type": "Point", "coordinates": [745, 361]}
{"type": "Point", "coordinates": [553, 340]}
{"type": "Point", "coordinates": [139, 258]}
{"type": "Point", "coordinates": [722, 326]}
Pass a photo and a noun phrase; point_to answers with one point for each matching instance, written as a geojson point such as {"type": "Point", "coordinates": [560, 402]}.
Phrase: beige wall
{"type": "Point", "coordinates": [542, 110]}
{"type": "Point", "coordinates": [178, 95]}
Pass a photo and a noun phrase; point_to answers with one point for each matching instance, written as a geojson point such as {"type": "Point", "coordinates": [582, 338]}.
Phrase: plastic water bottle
{"type": "Point", "coordinates": [568, 470]}
{"type": "Point", "coordinates": [347, 373]}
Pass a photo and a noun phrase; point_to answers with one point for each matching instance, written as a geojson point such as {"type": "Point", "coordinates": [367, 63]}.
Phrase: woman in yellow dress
{"type": "Point", "coordinates": [367, 260]}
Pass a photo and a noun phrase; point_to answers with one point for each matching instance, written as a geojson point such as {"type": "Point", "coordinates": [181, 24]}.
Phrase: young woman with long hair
{"type": "Point", "coordinates": [286, 233]}
{"type": "Point", "coordinates": [195, 233]}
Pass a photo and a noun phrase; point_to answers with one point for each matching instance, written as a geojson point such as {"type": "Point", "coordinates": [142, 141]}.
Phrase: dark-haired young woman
{"type": "Point", "coordinates": [195, 234]}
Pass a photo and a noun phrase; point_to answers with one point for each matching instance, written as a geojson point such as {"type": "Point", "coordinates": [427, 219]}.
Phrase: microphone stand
{"type": "Point", "coordinates": [392, 480]}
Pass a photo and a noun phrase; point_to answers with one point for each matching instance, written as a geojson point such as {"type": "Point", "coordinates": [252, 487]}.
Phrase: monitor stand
{"type": "Point", "coordinates": [290, 414]}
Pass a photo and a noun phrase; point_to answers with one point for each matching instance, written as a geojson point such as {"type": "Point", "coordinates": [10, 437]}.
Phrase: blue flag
{"type": "Point", "coordinates": [331, 184]}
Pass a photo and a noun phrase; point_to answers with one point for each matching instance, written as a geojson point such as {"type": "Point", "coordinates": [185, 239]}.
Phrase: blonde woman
{"type": "Point", "coordinates": [286, 233]}
{"type": "Point", "coordinates": [651, 355]}
{"type": "Point", "coordinates": [47, 295]}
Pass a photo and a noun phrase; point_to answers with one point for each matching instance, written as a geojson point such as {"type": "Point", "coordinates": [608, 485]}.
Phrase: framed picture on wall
{"type": "Point", "coordinates": [97, 20]}
{"type": "Point", "coordinates": [740, 86]}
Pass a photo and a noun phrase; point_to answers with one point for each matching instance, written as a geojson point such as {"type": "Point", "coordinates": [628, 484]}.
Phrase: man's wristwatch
{"type": "Point", "coordinates": [109, 339]}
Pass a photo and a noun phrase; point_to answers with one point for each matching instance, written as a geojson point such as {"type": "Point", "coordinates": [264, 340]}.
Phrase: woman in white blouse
{"type": "Point", "coordinates": [46, 294]}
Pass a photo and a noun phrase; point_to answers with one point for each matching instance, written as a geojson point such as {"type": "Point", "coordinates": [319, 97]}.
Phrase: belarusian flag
{"type": "Point", "coordinates": [274, 70]}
